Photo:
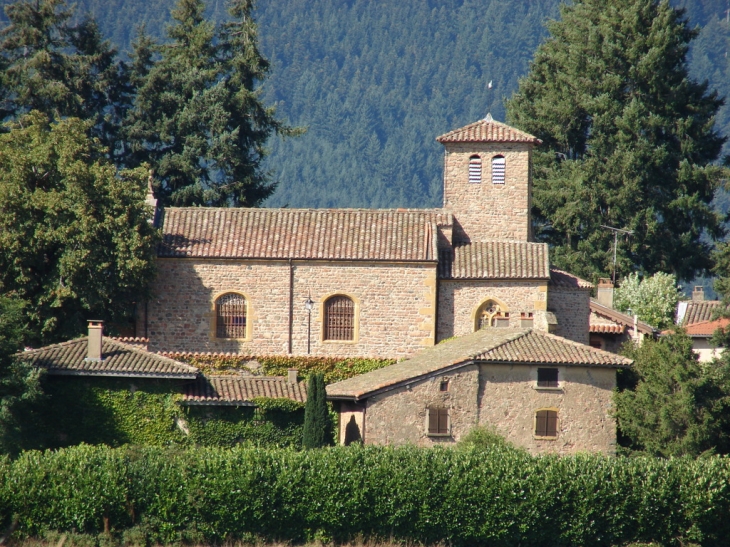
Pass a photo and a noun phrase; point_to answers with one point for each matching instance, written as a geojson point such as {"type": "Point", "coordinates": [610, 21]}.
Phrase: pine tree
{"type": "Point", "coordinates": [628, 140]}
{"type": "Point", "coordinates": [61, 69]}
{"type": "Point", "coordinates": [75, 237]}
{"type": "Point", "coordinates": [317, 423]}
{"type": "Point", "coordinates": [198, 119]}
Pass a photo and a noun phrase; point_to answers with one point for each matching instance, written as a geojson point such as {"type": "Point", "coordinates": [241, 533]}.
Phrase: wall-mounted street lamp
{"type": "Point", "coordinates": [309, 304]}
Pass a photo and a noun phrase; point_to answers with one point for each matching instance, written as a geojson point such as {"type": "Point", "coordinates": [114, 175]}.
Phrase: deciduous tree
{"type": "Point", "coordinates": [628, 140]}
{"type": "Point", "coordinates": [75, 237]}
{"type": "Point", "coordinates": [653, 299]}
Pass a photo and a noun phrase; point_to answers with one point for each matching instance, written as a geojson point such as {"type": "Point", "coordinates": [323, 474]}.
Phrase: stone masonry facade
{"type": "Point", "coordinates": [572, 308]}
{"type": "Point", "coordinates": [395, 306]}
{"type": "Point", "coordinates": [505, 397]}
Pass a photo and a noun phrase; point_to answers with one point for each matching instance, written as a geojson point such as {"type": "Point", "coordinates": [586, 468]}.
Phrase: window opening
{"type": "Point", "coordinates": [491, 314]}
{"type": "Point", "coordinates": [438, 421]}
{"type": "Point", "coordinates": [230, 316]}
{"type": "Point", "coordinates": [498, 169]}
{"type": "Point", "coordinates": [546, 423]}
{"type": "Point", "coordinates": [339, 320]}
{"type": "Point", "coordinates": [444, 385]}
{"type": "Point", "coordinates": [547, 377]}
{"type": "Point", "coordinates": [475, 170]}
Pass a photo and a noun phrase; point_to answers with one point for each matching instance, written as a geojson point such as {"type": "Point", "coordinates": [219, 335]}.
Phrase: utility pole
{"type": "Point", "coordinates": [616, 231]}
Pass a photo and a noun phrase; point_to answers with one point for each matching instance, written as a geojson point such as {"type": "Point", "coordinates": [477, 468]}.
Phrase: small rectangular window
{"type": "Point", "coordinates": [546, 423]}
{"type": "Point", "coordinates": [547, 377]}
{"type": "Point", "coordinates": [438, 421]}
{"type": "Point", "coordinates": [444, 385]}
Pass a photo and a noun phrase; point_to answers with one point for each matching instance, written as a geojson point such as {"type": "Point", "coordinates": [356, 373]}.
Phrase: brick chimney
{"type": "Point", "coordinates": [604, 293]}
{"type": "Point", "coordinates": [293, 375]}
{"type": "Point", "coordinates": [698, 294]}
{"type": "Point", "coordinates": [96, 329]}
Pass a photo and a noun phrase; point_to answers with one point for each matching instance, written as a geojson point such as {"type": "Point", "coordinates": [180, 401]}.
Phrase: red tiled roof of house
{"type": "Point", "coordinates": [242, 390]}
{"type": "Point", "coordinates": [326, 234]}
{"type": "Point", "coordinates": [706, 328]}
{"type": "Point", "coordinates": [487, 130]}
{"type": "Point", "coordinates": [495, 260]}
{"type": "Point", "coordinates": [495, 345]}
{"type": "Point", "coordinates": [698, 312]}
{"type": "Point", "coordinates": [603, 318]}
{"type": "Point", "coordinates": [118, 359]}
{"type": "Point", "coordinates": [565, 280]}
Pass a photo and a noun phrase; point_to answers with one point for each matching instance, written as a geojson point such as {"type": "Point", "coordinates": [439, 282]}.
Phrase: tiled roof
{"type": "Point", "coordinates": [242, 390]}
{"type": "Point", "coordinates": [601, 325]}
{"type": "Point", "coordinates": [329, 234]}
{"type": "Point", "coordinates": [697, 312]}
{"type": "Point", "coordinates": [495, 260]}
{"type": "Point", "coordinates": [616, 317]}
{"type": "Point", "coordinates": [495, 345]}
{"type": "Point", "coordinates": [565, 280]}
{"type": "Point", "coordinates": [136, 341]}
{"type": "Point", "coordinates": [118, 359]}
{"type": "Point", "coordinates": [706, 328]}
{"type": "Point", "coordinates": [487, 130]}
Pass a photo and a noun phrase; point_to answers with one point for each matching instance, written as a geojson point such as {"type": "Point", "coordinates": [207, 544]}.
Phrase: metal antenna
{"type": "Point", "coordinates": [615, 244]}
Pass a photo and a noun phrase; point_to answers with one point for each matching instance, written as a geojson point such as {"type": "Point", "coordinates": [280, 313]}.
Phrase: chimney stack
{"type": "Point", "coordinates": [605, 292]}
{"type": "Point", "coordinates": [96, 329]}
{"type": "Point", "coordinates": [698, 294]}
{"type": "Point", "coordinates": [293, 374]}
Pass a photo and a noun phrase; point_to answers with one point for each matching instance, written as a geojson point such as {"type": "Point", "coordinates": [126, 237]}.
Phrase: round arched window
{"type": "Point", "coordinates": [230, 316]}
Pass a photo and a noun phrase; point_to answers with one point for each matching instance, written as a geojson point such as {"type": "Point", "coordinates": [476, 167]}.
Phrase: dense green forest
{"type": "Point", "coordinates": [375, 82]}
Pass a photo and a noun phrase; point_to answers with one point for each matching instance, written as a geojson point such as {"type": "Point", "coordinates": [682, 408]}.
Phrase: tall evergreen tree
{"type": "Point", "coordinates": [317, 423]}
{"type": "Point", "coordinates": [198, 119]}
{"type": "Point", "coordinates": [61, 69]}
{"type": "Point", "coordinates": [628, 140]}
{"type": "Point", "coordinates": [75, 236]}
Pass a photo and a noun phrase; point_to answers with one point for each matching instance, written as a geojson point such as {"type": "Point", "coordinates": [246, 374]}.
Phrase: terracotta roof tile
{"type": "Point", "coordinates": [495, 260]}
{"type": "Point", "coordinates": [602, 325]}
{"type": "Point", "coordinates": [565, 280]}
{"type": "Point", "coordinates": [497, 345]}
{"type": "Point", "coordinates": [118, 359]}
{"type": "Point", "coordinates": [242, 390]}
{"type": "Point", "coordinates": [698, 312]}
{"type": "Point", "coordinates": [706, 328]}
{"type": "Point", "coordinates": [487, 130]}
{"type": "Point", "coordinates": [617, 318]}
{"type": "Point", "coordinates": [328, 234]}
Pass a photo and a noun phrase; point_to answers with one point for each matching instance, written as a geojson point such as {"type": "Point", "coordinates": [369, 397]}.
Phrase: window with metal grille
{"type": "Point", "coordinates": [230, 316]}
{"type": "Point", "coordinates": [438, 421]}
{"type": "Point", "coordinates": [498, 166]}
{"type": "Point", "coordinates": [339, 318]}
{"type": "Point", "coordinates": [475, 170]}
{"type": "Point", "coordinates": [546, 423]}
{"type": "Point", "coordinates": [547, 377]}
{"type": "Point", "coordinates": [491, 314]}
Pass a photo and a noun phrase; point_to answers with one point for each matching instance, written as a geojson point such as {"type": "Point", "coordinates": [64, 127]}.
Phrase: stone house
{"type": "Point", "coordinates": [366, 283]}
{"type": "Point", "coordinates": [540, 391]}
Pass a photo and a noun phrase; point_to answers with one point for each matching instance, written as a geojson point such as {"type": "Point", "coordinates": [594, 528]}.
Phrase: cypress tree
{"type": "Point", "coordinates": [628, 140]}
{"type": "Point", "coordinates": [317, 424]}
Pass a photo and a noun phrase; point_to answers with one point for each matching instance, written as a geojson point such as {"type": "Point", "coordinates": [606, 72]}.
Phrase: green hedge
{"type": "Point", "coordinates": [498, 497]}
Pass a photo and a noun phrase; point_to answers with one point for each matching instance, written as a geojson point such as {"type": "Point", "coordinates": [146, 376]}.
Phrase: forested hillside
{"type": "Point", "coordinates": [375, 82]}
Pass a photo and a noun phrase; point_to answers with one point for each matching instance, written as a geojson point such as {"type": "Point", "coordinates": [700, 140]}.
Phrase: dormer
{"type": "Point", "coordinates": [487, 181]}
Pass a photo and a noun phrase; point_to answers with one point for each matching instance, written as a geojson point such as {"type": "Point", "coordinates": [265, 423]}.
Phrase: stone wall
{"type": "Point", "coordinates": [395, 306]}
{"type": "Point", "coordinates": [572, 307]}
{"type": "Point", "coordinates": [486, 210]}
{"type": "Point", "coordinates": [459, 301]}
{"type": "Point", "coordinates": [505, 397]}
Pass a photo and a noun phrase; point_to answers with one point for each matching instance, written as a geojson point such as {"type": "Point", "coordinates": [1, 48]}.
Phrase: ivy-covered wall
{"type": "Point", "coordinates": [118, 411]}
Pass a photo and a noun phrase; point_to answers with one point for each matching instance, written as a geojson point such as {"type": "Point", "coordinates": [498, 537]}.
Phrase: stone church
{"type": "Point", "coordinates": [357, 282]}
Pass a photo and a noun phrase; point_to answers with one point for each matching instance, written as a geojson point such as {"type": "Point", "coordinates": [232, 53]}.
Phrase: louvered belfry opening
{"type": "Point", "coordinates": [498, 168]}
{"type": "Point", "coordinates": [230, 316]}
{"type": "Point", "coordinates": [475, 170]}
{"type": "Point", "coordinates": [339, 320]}
{"type": "Point", "coordinates": [546, 423]}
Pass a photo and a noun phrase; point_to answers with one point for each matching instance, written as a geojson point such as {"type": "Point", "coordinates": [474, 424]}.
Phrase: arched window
{"type": "Point", "coordinates": [339, 318]}
{"type": "Point", "coordinates": [546, 423]}
{"type": "Point", "coordinates": [498, 166]}
{"type": "Point", "coordinates": [230, 316]}
{"type": "Point", "coordinates": [492, 314]}
{"type": "Point", "coordinates": [475, 170]}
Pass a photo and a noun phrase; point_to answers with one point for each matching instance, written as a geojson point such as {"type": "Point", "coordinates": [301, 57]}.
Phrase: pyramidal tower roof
{"type": "Point", "coordinates": [488, 130]}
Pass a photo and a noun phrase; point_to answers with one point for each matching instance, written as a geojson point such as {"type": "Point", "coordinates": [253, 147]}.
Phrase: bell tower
{"type": "Point", "coordinates": [488, 181]}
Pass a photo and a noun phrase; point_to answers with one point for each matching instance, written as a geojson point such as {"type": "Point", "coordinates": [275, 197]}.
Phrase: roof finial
{"type": "Point", "coordinates": [488, 117]}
